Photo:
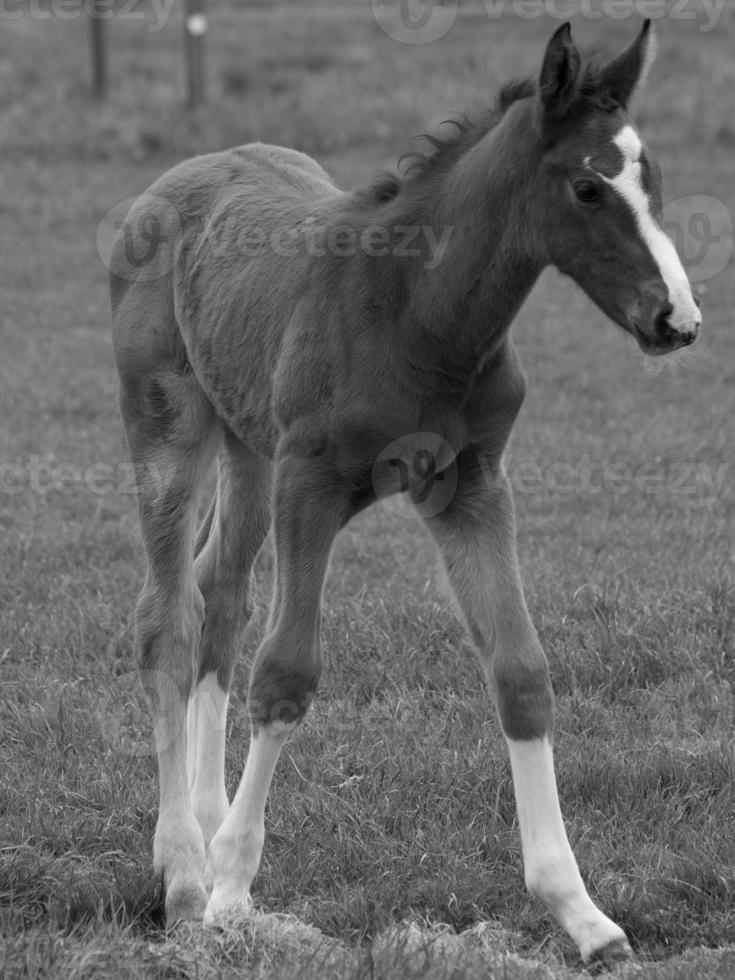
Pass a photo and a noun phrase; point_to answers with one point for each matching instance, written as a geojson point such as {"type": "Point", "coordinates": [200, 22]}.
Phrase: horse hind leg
{"type": "Point", "coordinates": [235, 529]}
{"type": "Point", "coordinates": [170, 427]}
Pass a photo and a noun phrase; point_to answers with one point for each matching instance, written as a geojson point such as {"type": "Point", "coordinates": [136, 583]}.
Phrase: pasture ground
{"type": "Point", "coordinates": [393, 804]}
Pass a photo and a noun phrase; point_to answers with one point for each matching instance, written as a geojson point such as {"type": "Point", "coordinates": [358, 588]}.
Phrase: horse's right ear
{"type": "Point", "coordinates": [559, 82]}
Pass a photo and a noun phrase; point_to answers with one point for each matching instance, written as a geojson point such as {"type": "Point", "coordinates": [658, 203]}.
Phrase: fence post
{"type": "Point", "coordinates": [195, 27]}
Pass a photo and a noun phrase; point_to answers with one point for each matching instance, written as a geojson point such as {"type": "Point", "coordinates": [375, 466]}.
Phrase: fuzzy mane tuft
{"type": "Point", "coordinates": [442, 151]}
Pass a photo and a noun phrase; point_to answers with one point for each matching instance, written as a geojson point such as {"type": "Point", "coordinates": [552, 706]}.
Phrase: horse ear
{"type": "Point", "coordinates": [625, 73]}
{"type": "Point", "coordinates": [559, 81]}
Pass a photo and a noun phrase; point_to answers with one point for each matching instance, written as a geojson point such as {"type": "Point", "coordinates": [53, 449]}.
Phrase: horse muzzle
{"type": "Point", "coordinates": [661, 329]}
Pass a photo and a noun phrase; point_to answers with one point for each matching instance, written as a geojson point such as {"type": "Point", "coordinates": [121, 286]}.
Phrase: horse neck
{"type": "Point", "coordinates": [483, 207]}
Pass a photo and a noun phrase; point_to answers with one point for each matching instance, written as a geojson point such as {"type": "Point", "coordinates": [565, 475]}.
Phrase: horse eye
{"type": "Point", "coordinates": [588, 192]}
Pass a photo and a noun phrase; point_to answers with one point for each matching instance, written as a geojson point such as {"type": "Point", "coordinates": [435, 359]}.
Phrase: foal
{"type": "Point", "coordinates": [267, 319]}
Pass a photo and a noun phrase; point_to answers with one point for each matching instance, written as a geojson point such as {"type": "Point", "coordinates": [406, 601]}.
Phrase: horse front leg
{"type": "Point", "coordinates": [309, 508]}
{"type": "Point", "coordinates": [476, 536]}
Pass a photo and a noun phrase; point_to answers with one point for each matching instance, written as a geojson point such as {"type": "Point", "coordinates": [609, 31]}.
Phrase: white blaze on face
{"type": "Point", "coordinates": [629, 184]}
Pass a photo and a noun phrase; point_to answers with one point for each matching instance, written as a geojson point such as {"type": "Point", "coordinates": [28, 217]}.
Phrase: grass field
{"type": "Point", "coordinates": [393, 804]}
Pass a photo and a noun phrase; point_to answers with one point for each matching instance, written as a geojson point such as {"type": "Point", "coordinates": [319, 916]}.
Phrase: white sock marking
{"type": "Point", "coordinates": [236, 847]}
{"type": "Point", "coordinates": [206, 729]}
{"type": "Point", "coordinates": [550, 868]}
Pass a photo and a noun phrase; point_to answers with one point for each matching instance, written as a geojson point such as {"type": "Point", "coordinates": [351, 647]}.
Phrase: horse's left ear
{"type": "Point", "coordinates": [625, 73]}
{"type": "Point", "coordinates": [559, 81]}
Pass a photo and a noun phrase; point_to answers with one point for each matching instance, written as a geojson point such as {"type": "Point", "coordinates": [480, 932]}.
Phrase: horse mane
{"type": "Point", "coordinates": [440, 152]}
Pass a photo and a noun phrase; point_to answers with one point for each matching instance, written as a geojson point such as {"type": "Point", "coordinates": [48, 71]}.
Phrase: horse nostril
{"type": "Point", "coordinates": [663, 327]}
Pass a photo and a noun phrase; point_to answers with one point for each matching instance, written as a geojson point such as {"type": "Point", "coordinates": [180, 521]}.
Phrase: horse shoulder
{"type": "Point", "coordinates": [335, 386]}
{"type": "Point", "coordinates": [496, 396]}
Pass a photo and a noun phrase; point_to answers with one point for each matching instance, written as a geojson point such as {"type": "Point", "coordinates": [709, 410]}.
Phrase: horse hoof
{"type": "Point", "coordinates": [609, 955]}
{"type": "Point", "coordinates": [185, 904]}
{"type": "Point", "coordinates": [223, 911]}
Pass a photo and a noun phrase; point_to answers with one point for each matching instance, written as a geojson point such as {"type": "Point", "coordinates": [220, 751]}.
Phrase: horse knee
{"type": "Point", "coordinates": [228, 613]}
{"type": "Point", "coordinates": [524, 697]}
{"type": "Point", "coordinates": [283, 683]}
{"type": "Point", "coordinates": [167, 639]}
